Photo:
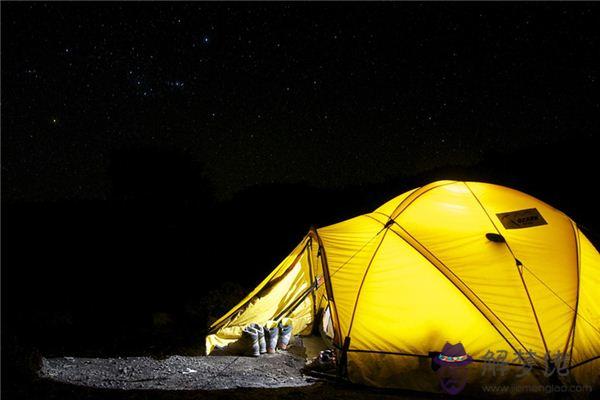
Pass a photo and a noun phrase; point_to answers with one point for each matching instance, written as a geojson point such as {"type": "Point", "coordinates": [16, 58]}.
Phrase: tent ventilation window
{"type": "Point", "coordinates": [495, 237]}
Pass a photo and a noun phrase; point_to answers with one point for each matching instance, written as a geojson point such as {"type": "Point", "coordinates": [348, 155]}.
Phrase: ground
{"type": "Point", "coordinates": [178, 372]}
{"type": "Point", "coordinates": [276, 376]}
{"type": "Point", "coordinates": [271, 376]}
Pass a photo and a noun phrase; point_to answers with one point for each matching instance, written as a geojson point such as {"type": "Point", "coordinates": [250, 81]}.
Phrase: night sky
{"type": "Point", "coordinates": [325, 94]}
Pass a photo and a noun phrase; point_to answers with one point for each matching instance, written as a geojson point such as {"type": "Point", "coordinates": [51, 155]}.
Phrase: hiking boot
{"type": "Point", "coordinates": [262, 343]}
{"type": "Point", "coordinates": [250, 346]}
{"type": "Point", "coordinates": [327, 356]}
{"type": "Point", "coordinates": [285, 333]}
{"type": "Point", "coordinates": [271, 336]}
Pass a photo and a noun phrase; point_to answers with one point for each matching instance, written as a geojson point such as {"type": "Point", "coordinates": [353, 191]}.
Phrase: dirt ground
{"type": "Point", "coordinates": [276, 376]}
{"type": "Point", "coordinates": [178, 372]}
{"type": "Point", "coordinates": [270, 376]}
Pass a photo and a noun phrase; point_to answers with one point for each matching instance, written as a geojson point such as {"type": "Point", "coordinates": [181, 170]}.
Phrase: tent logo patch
{"type": "Point", "coordinates": [521, 219]}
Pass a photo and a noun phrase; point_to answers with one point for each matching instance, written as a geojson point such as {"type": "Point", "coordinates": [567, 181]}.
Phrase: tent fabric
{"type": "Point", "coordinates": [421, 270]}
{"type": "Point", "coordinates": [285, 289]}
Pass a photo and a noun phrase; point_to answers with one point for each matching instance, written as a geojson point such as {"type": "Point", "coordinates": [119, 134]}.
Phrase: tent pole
{"type": "Point", "coordinates": [343, 363]}
{"type": "Point", "coordinates": [313, 279]}
{"type": "Point", "coordinates": [215, 328]}
{"type": "Point", "coordinates": [328, 286]}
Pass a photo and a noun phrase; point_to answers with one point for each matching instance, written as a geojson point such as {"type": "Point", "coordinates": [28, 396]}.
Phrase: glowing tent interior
{"type": "Point", "coordinates": [459, 262]}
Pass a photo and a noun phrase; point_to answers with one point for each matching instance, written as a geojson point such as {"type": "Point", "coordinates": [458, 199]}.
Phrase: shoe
{"type": "Point", "coordinates": [285, 333]}
{"type": "Point", "coordinates": [327, 356]}
{"type": "Point", "coordinates": [271, 336]}
{"type": "Point", "coordinates": [250, 346]}
{"type": "Point", "coordinates": [262, 344]}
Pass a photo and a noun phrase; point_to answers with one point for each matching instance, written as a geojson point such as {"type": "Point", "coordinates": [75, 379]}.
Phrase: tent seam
{"type": "Point", "coordinates": [392, 217]}
{"type": "Point", "coordinates": [363, 282]}
{"type": "Point", "coordinates": [584, 362]}
{"type": "Point", "coordinates": [225, 321]}
{"type": "Point", "coordinates": [359, 250]}
{"type": "Point", "coordinates": [393, 353]}
{"type": "Point", "coordinates": [461, 291]}
{"type": "Point", "coordinates": [518, 269]}
{"type": "Point", "coordinates": [312, 276]}
{"type": "Point", "coordinates": [328, 283]}
{"type": "Point", "coordinates": [574, 327]}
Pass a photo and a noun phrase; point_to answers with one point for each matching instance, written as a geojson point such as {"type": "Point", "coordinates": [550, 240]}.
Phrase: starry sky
{"type": "Point", "coordinates": [326, 94]}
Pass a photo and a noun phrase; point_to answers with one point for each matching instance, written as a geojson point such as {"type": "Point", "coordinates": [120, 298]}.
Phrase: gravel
{"type": "Point", "coordinates": [179, 372]}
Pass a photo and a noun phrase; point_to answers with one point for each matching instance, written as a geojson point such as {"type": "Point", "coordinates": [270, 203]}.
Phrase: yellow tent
{"type": "Point", "coordinates": [509, 277]}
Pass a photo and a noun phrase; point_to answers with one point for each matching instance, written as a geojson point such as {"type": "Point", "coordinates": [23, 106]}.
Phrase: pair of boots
{"type": "Point", "coordinates": [259, 340]}
{"type": "Point", "coordinates": [278, 334]}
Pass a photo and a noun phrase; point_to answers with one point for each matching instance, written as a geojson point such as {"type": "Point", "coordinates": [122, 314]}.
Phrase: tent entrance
{"type": "Point", "coordinates": [290, 291]}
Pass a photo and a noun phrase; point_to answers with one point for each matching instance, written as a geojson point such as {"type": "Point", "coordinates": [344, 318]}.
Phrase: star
{"type": "Point", "coordinates": [176, 84]}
